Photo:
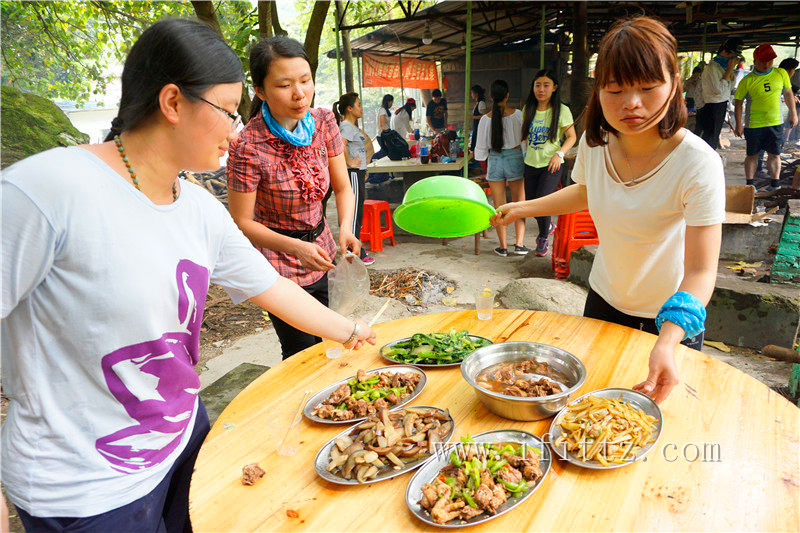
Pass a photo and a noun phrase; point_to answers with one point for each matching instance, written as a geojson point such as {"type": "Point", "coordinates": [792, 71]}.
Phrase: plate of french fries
{"type": "Point", "coordinates": [606, 428]}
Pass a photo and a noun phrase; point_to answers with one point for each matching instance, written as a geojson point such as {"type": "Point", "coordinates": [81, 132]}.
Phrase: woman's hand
{"type": "Point", "coordinates": [313, 256]}
{"type": "Point", "coordinates": [663, 375]}
{"type": "Point", "coordinates": [365, 334]}
{"type": "Point", "coordinates": [348, 241]}
{"type": "Point", "coordinates": [506, 214]}
{"type": "Point", "coordinates": [555, 164]}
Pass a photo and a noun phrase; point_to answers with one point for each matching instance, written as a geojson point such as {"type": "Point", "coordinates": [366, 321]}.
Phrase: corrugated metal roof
{"type": "Point", "coordinates": [500, 25]}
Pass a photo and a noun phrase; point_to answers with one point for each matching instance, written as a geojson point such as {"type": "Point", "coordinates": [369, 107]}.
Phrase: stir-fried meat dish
{"type": "Point", "coordinates": [389, 440]}
{"type": "Point", "coordinates": [365, 394]}
{"type": "Point", "coordinates": [520, 378]}
{"type": "Point", "coordinates": [479, 479]}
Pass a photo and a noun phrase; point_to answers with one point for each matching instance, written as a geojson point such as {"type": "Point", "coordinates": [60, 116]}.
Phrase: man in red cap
{"type": "Point", "coordinates": [764, 125]}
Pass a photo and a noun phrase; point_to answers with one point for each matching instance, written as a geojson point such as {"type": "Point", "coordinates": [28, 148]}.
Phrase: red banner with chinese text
{"type": "Point", "coordinates": [384, 71]}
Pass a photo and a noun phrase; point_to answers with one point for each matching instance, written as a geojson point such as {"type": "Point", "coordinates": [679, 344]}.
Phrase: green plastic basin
{"type": "Point", "coordinates": [444, 207]}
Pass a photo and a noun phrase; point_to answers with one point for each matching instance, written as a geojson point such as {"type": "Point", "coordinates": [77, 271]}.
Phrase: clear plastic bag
{"type": "Point", "coordinates": [348, 284]}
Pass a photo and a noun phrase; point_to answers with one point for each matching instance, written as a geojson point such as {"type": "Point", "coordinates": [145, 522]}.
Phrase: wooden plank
{"type": "Point", "coordinates": [748, 479]}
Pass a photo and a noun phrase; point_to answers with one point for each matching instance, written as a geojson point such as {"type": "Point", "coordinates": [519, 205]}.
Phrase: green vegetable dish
{"type": "Point", "coordinates": [479, 479]}
{"type": "Point", "coordinates": [434, 348]}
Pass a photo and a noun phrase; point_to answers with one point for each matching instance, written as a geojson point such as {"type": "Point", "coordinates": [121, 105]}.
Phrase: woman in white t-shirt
{"type": "Point", "coordinates": [384, 113]}
{"type": "Point", "coordinates": [104, 281]}
{"type": "Point", "coordinates": [656, 193]}
{"type": "Point", "coordinates": [348, 111]}
{"type": "Point", "coordinates": [401, 121]}
{"type": "Point", "coordinates": [500, 141]}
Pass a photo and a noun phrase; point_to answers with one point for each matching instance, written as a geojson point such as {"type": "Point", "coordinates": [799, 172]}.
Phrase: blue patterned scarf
{"type": "Point", "coordinates": [302, 134]}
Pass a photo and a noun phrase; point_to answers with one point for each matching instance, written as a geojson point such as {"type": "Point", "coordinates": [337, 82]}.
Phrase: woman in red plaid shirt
{"type": "Point", "coordinates": [278, 172]}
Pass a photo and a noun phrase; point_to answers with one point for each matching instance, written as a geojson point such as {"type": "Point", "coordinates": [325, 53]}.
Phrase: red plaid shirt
{"type": "Point", "coordinates": [290, 182]}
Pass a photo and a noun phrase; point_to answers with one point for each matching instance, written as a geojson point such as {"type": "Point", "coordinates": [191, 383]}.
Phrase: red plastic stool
{"type": "Point", "coordinates": [371, 228]}
{"type": "Point", "coordinates": [572, 231]}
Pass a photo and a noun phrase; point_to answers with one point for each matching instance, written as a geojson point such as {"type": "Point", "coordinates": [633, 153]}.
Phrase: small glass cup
{"type": "Point", "coordinates": [334, 352]}
{"type": "Point", "coordinates": [484, 303]}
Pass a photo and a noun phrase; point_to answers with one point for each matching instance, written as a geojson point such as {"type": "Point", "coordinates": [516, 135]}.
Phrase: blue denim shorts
{"type": "Point", "coordinates": [508, 165]}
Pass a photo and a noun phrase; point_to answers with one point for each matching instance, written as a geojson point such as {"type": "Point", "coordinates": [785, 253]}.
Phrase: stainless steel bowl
{"type": "Point", "coordinates": [565, 369]}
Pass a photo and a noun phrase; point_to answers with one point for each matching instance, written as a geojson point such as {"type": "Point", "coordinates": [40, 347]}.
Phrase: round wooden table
{"type": "Point", "coordinates": [727, 458]}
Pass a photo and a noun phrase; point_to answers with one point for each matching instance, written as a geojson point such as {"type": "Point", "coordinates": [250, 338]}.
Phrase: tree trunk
{"type": "Point", "coordinates": [205, 12]}
{"type": "Point", "coordinates": [265, 10]}
{"type": "Point", "coordinates": [276, 24]}
{"type": "Point", "coordinates": [348, 50]}
{"type": "Point", "coordinates": [314, 33]}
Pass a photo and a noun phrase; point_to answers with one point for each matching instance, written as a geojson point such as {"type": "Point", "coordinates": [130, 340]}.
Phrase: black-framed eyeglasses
{"type": "Point", "coordinates": [236, 120]}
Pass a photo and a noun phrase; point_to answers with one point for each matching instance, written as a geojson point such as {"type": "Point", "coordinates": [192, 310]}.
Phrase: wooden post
{"type": "Point", "coordinates": [704, 42]}
{"type": "Point", "coordinates": [347, 50]}
{"type": "Point", "coordinates": [467, 68]}
{"type": "Point", "coordinates": [541, 42]}
{"type": "Point", "coordinates": [402, 93]}
{"type": "Point", "coordinates": [580, 59]}
{"type": "Point", "coordinates": [358, 62]}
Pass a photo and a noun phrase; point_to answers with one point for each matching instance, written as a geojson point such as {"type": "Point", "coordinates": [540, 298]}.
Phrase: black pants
{"type": "Point", "coordinates": [163, 509]}
{"type": "Point", "coordinates": [541, 182]}
{"type": "Point", "coordinates": [358, 183]}
{"type": "Point", "coordinates": [292, 339]}
{"type": "Point", "coordinates": [597, 307]}
{"type": "Point", "coordinates": [711, 118]}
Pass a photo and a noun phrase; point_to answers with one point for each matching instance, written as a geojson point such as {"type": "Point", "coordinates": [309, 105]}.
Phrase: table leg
{"type": "Point", "coordinates": [477, 244]}
{"type": "Point", "coordinates": [444, 242]}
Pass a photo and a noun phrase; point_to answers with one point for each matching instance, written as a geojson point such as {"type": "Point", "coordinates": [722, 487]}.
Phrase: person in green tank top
{"type": "Point", "coordinates": [764, 130]}
{"type": "Point", "coordinates": [545, 122]}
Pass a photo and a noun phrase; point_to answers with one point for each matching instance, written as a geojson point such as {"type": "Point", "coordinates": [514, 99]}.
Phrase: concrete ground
{"type": "Point", "coordinates": [457, 261]}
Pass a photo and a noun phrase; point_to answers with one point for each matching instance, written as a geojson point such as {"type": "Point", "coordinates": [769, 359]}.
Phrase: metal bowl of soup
{"type": "Point", "coordinates": [547, 375]}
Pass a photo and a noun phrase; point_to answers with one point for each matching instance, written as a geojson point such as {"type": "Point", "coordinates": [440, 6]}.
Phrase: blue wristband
{"type": "Point", "coordinates": [684, 310]}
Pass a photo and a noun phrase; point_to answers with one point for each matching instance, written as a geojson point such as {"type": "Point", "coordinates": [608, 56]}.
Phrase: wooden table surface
{"type": "Point", "coordinates": [727, 458]}
{"type": "Point", "coordinates": [413, 165]}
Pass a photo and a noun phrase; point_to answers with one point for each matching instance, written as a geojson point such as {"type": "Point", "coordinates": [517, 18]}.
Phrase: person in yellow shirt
{"type": "Point", "coordinates": [545, 122]}
{"type": "Point", "coordinates": [764, 129]}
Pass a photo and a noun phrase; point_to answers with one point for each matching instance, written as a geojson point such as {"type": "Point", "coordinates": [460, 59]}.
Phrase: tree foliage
{"type": "Point", "coordinates": [66, 50]}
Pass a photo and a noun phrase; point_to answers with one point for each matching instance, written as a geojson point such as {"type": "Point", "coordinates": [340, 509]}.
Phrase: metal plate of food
{"type": "Point", "coordinates": [474, 506]}
{"type": "Point", "coordinates": [523, 380]}
{"type": "Point", "coordinates": [433, 350]}
{"type": "Point", "coordinates": [374, 386]}
{"type": "Point", "coordinates": [352, 457]}
{"type": "Point", "coordinates": [583, 434]}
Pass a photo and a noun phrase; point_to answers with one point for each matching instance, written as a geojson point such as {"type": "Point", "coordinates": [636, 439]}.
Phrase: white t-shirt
{"type": "Point", "coordinates": [714, 88]}
{"type": "Point", "coordinates": [641, 228]}
{"type": "Point", "coordinates": [102, 302]}
{"type": "Point", "coordinates": [512, 134]}
{"type": "Point", "coordinates": [401, 123]}
{"type": "Point", "coordinates": [382, 113]}
{"type": "Point", "coordinates": [356, 142]}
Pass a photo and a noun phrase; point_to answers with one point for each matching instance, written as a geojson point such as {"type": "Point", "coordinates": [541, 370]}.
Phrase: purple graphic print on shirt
{"type": "Point", "coordinates": [156, 383]}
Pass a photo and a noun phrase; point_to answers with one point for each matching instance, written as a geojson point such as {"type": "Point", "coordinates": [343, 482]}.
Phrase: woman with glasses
{"type": "Point", "coordinates": [279, 170]}
{"type": "Point", "coordinates": [106, 262]}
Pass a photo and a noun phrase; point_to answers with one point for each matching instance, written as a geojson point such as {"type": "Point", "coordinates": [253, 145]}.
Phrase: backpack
{"type": "Point", "coordinates": [394, 145]}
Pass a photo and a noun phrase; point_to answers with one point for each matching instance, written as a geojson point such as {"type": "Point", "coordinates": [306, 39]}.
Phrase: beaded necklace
{"type": "Point", "coordinates": [118, 142]}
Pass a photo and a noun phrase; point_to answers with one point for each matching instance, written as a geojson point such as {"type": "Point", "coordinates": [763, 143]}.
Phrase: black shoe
{"type": "Point", "coordinates": [521, 250]}
{"type": "Point", "coordinates": [502, 252]}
